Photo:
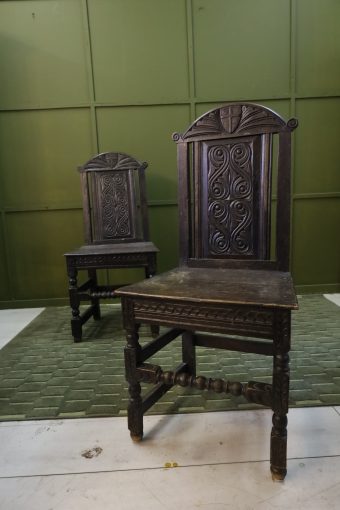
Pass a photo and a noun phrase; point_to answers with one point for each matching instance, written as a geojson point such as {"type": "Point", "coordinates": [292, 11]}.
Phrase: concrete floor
{"type": "Point", "coordinates": [208, 461]}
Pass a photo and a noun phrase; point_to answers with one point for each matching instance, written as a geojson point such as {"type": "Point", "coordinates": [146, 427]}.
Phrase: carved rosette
{"type": "Point", "coordinates": [230, 200]}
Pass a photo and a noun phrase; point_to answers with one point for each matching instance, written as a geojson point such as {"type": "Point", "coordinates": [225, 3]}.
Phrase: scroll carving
{"type": "Point", "coordinates": [115, 205]}
{"type": "Point", "coordinates": [230, 200]}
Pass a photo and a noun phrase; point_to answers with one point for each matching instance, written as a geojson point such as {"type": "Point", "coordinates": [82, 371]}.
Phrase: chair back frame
{"type": "Point", "coordinates": [225, 188]}
{"type": "Point", "coordinates": [114, 199]}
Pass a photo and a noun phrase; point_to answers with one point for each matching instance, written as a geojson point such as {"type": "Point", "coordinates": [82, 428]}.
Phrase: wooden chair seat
{"type": "Point", "coordinates": [264, 288]}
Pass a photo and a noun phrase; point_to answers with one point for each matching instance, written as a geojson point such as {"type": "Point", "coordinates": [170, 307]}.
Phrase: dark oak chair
{"type": "Point", "coordinates": [116, 231]}
{"type": "Point", "coordinates": [228, 284]}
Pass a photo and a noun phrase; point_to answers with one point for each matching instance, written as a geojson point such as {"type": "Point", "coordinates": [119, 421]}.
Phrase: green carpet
{"type": "Point", "coordinates": [43, 374]}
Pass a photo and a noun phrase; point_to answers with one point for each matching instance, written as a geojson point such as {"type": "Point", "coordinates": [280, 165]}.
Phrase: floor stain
{"type": "Point", "coordinates": [92, 452]}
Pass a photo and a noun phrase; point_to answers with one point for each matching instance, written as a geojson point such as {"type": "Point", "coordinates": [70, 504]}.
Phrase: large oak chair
{"type": "Point", "coordinates": [116, 231]}
{"type": "Point", "coordinates": [228, 284]}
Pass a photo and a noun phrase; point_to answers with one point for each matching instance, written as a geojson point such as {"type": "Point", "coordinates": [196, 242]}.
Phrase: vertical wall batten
{"type": "Point", "coordinates": [292, 109]}
{"type": "Point", "coordinates": [90, 77]}
{"type": "Point", "coordinates": [191, 50]}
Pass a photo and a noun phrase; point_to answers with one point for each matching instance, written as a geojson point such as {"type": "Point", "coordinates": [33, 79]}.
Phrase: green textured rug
{"type": "Point", "coordinates": [43, 374]}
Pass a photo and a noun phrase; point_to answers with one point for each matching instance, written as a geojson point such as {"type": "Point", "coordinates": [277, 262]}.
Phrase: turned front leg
{"type": "Point", "coordinates": [135, 412]}
{"type": "Point", "coordinates": [278, 449]}
{"type": "Point", "coordinates": [278, 445]}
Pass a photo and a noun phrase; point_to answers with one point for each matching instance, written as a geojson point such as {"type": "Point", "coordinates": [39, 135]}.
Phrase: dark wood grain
{"type": "Point", "coordinates": [222, 286]}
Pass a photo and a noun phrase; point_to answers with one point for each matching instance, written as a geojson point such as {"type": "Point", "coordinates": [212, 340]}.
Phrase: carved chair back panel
{"type": "Point", "coordinates": [230, 193]}
{"type": "Point", "coordinates": [114, 205]}
{"type": "Point", "coordinates": [225, 166]}
{"type": "Point", "coordinates": [114, 199]}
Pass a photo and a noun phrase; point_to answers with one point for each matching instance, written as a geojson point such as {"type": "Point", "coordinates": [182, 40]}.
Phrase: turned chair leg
{"type": "Point", "coordinates": [280, 396]}
{"type": "Point", "coordinates": [135, 411]}
{"type": "Point", "coordinates": [278, 444]}
{"type": "Point", "coordinates": [94, 301]}
{"type": "Point", "coordinates": [76, 324]}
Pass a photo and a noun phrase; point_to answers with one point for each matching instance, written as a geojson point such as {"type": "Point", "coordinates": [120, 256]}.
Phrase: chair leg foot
{"type": "Point", "coordinates": [136, 438]}
{"type": "Point", "coordinates": [278, 474]}
{"type": "Point", "coordinates": [135, 413]}
{"type": "Point", "coordinates": [278, 448]}
{"type": "Point", "coordinates": [76, 328]}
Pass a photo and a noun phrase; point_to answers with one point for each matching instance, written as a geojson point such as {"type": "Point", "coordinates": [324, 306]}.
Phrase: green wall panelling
{"type": "Point", "coordinates": [155, 66]}
{"type": "Point", "coordinates": [40, 152]}
{"type": "Point", "coordinates": [316, 241]}
{"type": "Point", "coordinates": [282, 107]}
{"type": "Point", "coordinates": [126, 276]}
{"type": "Point", "coordinates": [164, 233]}
{"type": "Point", "coordinates": [242, 49]}
{"type": "Point", "coordinates": [139, 50]}
{"type": "Point", "coordinates": [37, 242]}
{"type": "Point", "coordinates": [318, 47]}
{"type": "Point", "coordinates": [145, 132]}
{"type": "Point", "coordinates": [317, 146]}
{"type": "Point", "coordinates": [4, 285]}
{"type": "Point", "coordinates": [42, 54]}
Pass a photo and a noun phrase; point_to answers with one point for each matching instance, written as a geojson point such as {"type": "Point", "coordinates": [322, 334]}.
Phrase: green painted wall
{"type": "Point", "coordinates": [84, 76]}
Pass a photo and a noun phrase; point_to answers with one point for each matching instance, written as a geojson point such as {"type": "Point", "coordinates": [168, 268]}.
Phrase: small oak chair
{"type": "Point", "coordinates": [227, 285]}
{"type": "Point", "coordinates": [116, 231]}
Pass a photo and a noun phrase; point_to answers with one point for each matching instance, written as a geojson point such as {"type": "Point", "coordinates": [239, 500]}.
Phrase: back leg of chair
{"type": "Point", "coordinates": [76, 323]}
{"type": "Point", "coordinates": [280, 395]}
{"type": "Point", "coordinates": [150, 271]}
{"type": "Point", "coordinates": [94, 301]}
{"type": "Point", "coordinates": [188, 352]}
{"type": "Point", "coordinates": [135, 410]}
